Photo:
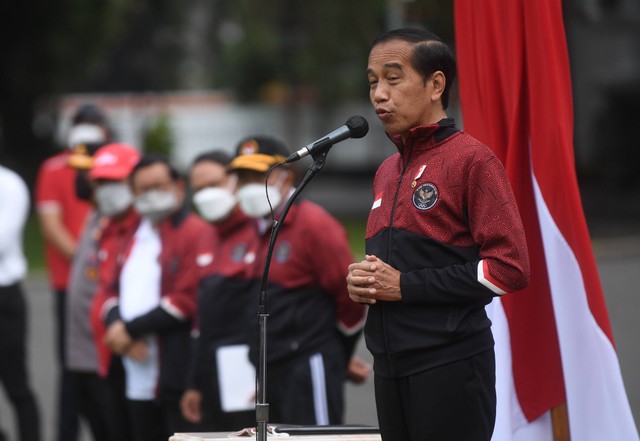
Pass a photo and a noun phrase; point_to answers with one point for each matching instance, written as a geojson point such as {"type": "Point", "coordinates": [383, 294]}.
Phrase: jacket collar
{"type": "Point", "coordinates": [234, 221]}
{"type": "Point", "coordinates": [265, 225]}
{"type": "Point", "coordinates": [175, 219]}
{"type": "Point", "coordinates": [127, 221]}
{"type": "Point", "coordinates": [427, 136]}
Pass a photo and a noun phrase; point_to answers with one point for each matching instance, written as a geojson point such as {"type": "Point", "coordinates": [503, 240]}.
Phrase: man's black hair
{"type": "Point", "coordinates": [430, 54]}
{"type": "Point", "coordinates": [218, 156]}
{"type": "Point", "coordinates": [155, 158]}
{"type": "Point", "coordinates": [89, 113]}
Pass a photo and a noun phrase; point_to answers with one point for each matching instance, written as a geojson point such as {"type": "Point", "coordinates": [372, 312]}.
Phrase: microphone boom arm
{"type": "Point", "coordinates": [262, 407]}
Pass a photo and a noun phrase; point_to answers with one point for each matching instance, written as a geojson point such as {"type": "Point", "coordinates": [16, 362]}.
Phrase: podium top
{"type": "Point", "coordinates": [221, 436]}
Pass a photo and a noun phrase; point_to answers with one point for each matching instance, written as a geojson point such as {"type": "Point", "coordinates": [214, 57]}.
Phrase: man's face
{"type": "Point", "coordinates": [251, 191]}
{"type": "Point", "coordinates": [280, 178]}
{"type": "Point", "coordinates": [208, 174]}
{"type": "Point", "coordinates": [155, 177]}
{"type": "Point", "coordinates": [277, 177]}
{"type": "Point", "coordinates": [113, 197]}
{"type": "Point", "coordinates": [97, 183]}
{"type": "Point", "coordinates": [401, 98]}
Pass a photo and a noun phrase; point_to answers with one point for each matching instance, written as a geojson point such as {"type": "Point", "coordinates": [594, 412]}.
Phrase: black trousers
{"type": "Point", "coordinates": [68, 419]}
{"type": "Point", "coordinates": [117, 412]}
{"type": "Point", "coordinates": [102, 405]}
{"type": "Point", "coordinates": [157, 420]}
{"type": "Point", "coordinates": [91, 395]}
{"type": "Point", "coordinates": [13, 354]}
{"type": "Point", "coordinates": [454, 402]}
{"type": "Point", "coordinates": [307, 390]}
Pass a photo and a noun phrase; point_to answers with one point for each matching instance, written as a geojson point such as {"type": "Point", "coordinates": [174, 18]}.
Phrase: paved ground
{"type": "Point", "coordinates": [618, 261]}
{"type": "Point", "coordinates": [44, 368]}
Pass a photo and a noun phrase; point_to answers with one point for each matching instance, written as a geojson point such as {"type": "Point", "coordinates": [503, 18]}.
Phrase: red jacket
{"type": "Point", "coordinates": [55, 190]}
{"type": "Point", "coordinates": [444, 215]}
{"type": "Point", "coordinates": [228, 297]}
{"type": "Point", "coordinates": [116, 236]}
{"type": "Point", "coordinates": [187, 251]}
{"type": "Point", "coordinates": [309, 306]}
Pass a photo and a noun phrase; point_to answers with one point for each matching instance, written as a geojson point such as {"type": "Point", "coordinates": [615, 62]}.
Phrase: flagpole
{"type": "Point", "coordinates": [560, 423]}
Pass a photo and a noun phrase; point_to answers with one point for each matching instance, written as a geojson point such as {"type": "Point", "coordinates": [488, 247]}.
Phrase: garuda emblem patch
{"type": "Point", "coordinates": [425, 196]}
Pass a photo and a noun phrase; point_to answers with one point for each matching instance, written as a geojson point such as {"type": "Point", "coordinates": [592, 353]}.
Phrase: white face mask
{"type": "Point", "coordinates": [113, 198]}
{"type": "Point", "coordinates": [155, 205]}
{"type": "Point", "coordinates": [85, 134]}
{"type": "Point", "coordinates": [253, 200]}
{"type": "Point", "coordinates": [214, 203]}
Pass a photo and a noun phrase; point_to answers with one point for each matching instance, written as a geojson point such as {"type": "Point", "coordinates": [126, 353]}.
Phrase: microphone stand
{"type": "Point", "coordinates": [262, 407]}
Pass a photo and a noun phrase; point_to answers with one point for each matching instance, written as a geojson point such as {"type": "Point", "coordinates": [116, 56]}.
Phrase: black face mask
{"type": "Point", "coordinates": [83, 187]}
{"type": "Point", "coordinates": [92, 147]}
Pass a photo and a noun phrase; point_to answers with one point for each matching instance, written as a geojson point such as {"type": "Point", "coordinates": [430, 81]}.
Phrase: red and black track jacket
{"type": "Point", "coordinates": [227, 296]}
{"type": "Point", "coordinates": [115, 237]}
{"type": "Point", "coordinates": [187, 251]}
{"type": "Point", "coordinates": [308, 303]}
{"type": "Point", "coordinates": [445, 216]}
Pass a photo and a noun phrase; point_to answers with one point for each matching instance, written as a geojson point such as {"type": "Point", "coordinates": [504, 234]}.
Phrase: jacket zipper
{"type": "Point", "coordinates": [388, 257]}
{"type": "Point", "coordinates": [395, 198]}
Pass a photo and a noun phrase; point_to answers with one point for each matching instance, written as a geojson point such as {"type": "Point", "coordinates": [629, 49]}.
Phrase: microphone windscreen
{"type": "Point", "coordinates": [358, 126]}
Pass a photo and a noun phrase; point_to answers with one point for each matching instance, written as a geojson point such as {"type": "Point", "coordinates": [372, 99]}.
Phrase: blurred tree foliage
{"type": "Point", "coordinates": [277, 50]}
{"type": "Point", "coordinates": [158, 137]}
{"type": "Point", "coordinates": [52, 47]}
{"type": "Point", "coordinates": [320, 47]}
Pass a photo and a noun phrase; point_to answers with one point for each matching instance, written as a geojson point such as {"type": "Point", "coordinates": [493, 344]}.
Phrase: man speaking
{"type": "Point", "coordinates": [444, 237]}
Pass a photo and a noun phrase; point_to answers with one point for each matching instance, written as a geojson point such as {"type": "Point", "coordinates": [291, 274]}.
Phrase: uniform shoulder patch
{"type": "Point", "coordinates": [283, 252]}
{"type": "Point", "coordinates": [238, 253]}
{"type": "Point", "coordinates": [204, 259]}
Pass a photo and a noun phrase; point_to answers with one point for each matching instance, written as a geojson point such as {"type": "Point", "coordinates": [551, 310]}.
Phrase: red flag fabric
{"type": "Point", "coordinates": [516, 97]}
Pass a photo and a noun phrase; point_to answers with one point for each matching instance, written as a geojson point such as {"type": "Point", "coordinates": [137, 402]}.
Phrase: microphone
{"type": "Point", "coordinates": [355, 127]}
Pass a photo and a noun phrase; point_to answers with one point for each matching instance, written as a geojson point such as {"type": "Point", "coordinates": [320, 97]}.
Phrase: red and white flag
{"type": "Point", "coordinates": [554, 342]}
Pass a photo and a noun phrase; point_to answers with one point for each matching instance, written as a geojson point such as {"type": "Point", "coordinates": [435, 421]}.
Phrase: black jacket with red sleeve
{"type": "Point", "coordinates": [444, 215]}
{"type": "Point", "coordinates": [227, 297]}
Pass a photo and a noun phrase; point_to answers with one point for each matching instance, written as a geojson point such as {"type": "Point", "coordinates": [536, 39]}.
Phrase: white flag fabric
{"type": "Point", "coordinates": [554, 342]}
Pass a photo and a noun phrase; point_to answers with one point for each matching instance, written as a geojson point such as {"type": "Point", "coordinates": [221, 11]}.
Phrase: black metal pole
{"type": "Point", "coordinates": [262, 407]}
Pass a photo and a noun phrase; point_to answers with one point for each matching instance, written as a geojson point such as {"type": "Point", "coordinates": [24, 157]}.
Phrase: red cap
{"type": "Point", "coordinates": [114, 161]}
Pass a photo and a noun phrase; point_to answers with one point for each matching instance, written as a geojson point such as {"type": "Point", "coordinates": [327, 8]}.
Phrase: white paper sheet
{"type": "Point", "coordinates": [236, 377]}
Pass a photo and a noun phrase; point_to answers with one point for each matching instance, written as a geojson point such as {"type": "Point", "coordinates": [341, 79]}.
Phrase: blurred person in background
{"type": "Point", "coordinates": [313, 326]}
{"type": "Point", "coordinates": [226, 304]}
{"type": "Point", "coordinates": [62, 216]}
{"type": "Point", "coordinates": [149, 310]}
{"type": "Point", "coordinates": [98, 397]}
{"type": "Point", "coordinates": [14, 209]}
